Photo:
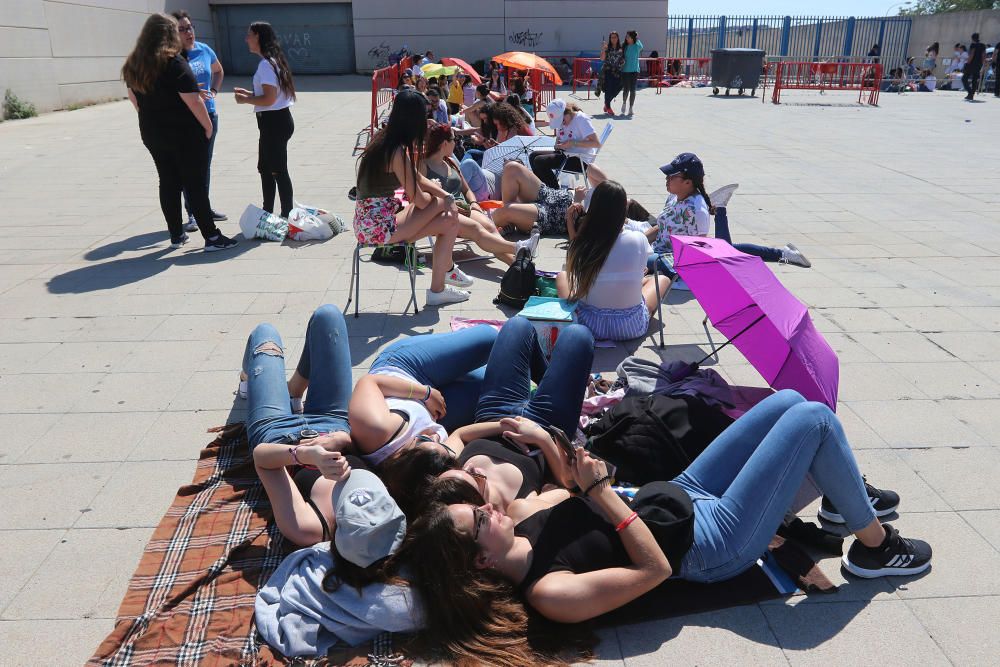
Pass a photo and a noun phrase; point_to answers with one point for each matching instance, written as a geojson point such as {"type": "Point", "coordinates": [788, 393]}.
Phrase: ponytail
{"type": "Point", "coordinates": [699, 185]}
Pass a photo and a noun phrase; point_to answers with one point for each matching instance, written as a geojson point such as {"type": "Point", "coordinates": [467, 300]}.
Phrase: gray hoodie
{"type": "Point", "coordinates": [297, 617]}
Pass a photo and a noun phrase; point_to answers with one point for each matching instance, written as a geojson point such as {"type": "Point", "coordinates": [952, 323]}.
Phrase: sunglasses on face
{"type": "Point", "coordinates": [479, 517]}
{"type": "Point", "coordinates": [480, 480]}
{"type": "Point", "coordinates": [422, 438]}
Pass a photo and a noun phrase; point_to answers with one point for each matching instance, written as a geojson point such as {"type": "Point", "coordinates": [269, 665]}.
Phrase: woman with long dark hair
{"type": "Point", "coordinates": [390, 162]}
{"type": "Point", "coordinates": [605, 268]}
{"type": "Point", "coordinates": [273, 95]}
{"type": "Point", "coordinates": [579, 559]}
{"type": "Point", "coordinates": [613, 55]}
{"type": "Point", "coordinates": [174, 125]}
{"type": "Point", "coordinates": [630, 71]}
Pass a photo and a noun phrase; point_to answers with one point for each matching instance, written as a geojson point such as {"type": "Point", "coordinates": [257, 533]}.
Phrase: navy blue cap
{"type": "Point", "coordinates": [687, 163]}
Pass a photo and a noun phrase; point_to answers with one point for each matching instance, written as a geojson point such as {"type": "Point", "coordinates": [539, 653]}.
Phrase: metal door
{"type": "Point", "coordinates": [316, 39]}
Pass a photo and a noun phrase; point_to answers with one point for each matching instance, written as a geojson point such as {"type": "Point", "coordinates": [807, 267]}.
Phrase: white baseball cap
{"type": "Point", "coordinates": [370, 525]}
{"type": "Point", "coordinates": [556, 109]}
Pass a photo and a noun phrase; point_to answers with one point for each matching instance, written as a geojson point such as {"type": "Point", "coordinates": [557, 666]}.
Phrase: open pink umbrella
{"type": "Point", "coordinates": [748, 304]}
{"type": "Point", "coordinates": [465, 67]}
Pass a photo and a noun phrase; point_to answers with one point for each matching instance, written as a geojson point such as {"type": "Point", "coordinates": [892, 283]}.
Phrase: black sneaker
{"type": "Point", "coordinates": [896, 556]}
{"type": "Point", "coordinates": [883, 501]}
{"type": "Point", "coordinates": [219, 217]}
{"type": "Point", "coordinates": [178, 242]}
{"type": "Point", "coordinates": [219, 242]}
{"type": "Point", "coordinates": [352, 194]}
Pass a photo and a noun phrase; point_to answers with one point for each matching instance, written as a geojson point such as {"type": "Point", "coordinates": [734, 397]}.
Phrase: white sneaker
{"type": "Point", "coordinates": [792, 255]}
{"type": "Point", "coordinates": [448, 295]}
{"type": "Point", "coordinates": [531, 243]}
{"type": "Point", "coordinates": [458, 278]}
{"type": "Point", "coordinates": [720, 198]}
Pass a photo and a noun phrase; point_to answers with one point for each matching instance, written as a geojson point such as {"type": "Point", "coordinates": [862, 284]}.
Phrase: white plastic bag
{"type": "Point", "coordinates": [304, 226]}
{"type": "Point", "coordinates": [258, 223]}
{"type": "Point", "coordinates": [320, 213]}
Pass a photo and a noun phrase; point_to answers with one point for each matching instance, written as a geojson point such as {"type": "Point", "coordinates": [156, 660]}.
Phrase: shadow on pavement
{"type": "Point", "coordinates": [120, 272]}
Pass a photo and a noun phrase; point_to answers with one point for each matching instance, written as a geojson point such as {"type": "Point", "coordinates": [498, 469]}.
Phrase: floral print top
{"type": "Point", "coordinates": [687, 217]}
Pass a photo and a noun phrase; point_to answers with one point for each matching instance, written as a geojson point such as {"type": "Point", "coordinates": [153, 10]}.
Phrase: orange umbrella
{"type": "Point", "coordinates": [522, 60]}
{"type": "Point", "coordinates": [465, 67]}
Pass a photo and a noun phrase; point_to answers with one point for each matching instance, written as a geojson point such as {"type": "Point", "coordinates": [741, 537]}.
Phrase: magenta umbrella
{"type": "Point", "coordinates": [748, 304]}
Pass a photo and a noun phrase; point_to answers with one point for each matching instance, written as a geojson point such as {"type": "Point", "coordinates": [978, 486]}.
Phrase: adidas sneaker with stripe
{"type": "Point", "coordinates": [896, 556]}
{"type": "Point", "coordinates": [883, 501]}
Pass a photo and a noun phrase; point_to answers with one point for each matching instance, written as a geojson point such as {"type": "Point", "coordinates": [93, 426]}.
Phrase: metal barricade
{"type": "Point", "coordinates": [863, 77]}
{"type": "Point", "coordinates": [384, 82]}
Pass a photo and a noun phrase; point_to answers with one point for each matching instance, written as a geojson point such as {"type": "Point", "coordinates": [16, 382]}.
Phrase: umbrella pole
{"type": "Point", "coordinates": [715, 350]}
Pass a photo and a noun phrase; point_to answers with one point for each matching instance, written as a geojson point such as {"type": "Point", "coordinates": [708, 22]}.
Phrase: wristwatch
{"type": "Point", "coordinates": [214, 91]}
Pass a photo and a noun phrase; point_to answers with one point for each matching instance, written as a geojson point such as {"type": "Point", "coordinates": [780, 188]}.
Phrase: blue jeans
{"type": "Point", "coordinates": [325, 362]}
{"type": "Point", "coordinates": [745, 481]}
{"type": "Point", "coordinates": [661, 265]}
{"type": "Point", "coordinates": [453, 363]}
{"type": "Point", "coordinates": [484, 184]}
{"type": "Point", "coordinates": [211, 152]}
{"type": "Point", "coordinates": [517, 359]}
{"type": "Point", "coordinates": [722, 232]}
{"type": "Point", "coordinates": [474, 154]}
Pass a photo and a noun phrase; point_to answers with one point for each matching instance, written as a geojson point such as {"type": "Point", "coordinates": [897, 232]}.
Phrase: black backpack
{"type": "Point", "coordinates": [654, 437]}
{"type": "Point", "coordinates": [518, 284]}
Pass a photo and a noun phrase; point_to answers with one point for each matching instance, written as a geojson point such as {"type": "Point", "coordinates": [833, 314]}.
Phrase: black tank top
{"type": "Point", "coordinates": [573, 537]}
{"type": "Point", "coordinates": [532, 467]}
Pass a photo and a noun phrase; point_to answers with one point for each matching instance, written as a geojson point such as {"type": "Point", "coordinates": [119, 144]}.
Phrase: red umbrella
{"type": "Point", "coordinates": [465, 67]}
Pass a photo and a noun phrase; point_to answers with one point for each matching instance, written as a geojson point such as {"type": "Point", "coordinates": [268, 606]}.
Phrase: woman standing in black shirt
{"type": "Point", "coordinates": [174, 125]}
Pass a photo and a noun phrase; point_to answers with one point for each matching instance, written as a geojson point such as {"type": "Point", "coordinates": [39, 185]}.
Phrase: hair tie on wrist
{"type": "Point", "coordinates": [626, 522]}
{"type": "Point", "coordinates": [597, 482]}
{"type": "Point", "coordinates": [428, 396]}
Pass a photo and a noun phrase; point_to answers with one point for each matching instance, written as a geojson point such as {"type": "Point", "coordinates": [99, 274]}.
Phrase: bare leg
{"type": "Point", "coordinates": [483, 221]}
{"type": "Point", "coordinates": [488, 241]}
{"type": "Point", "coordinates": [562, 285]}
{"type": "Point", "coordinates": [297, 385]}
{"type": "Point", "coordinates": [522, 216]}
{"type": "Point", "coordinates": [649, 291]}
{"type": "Point", "coordinates": [871, 535]}
{"type": "Point", "coordinates": [518, 184]}
{"type": "Point", "coordinates": [595, 175]}
{"type": "Point", "coordinates": [433, 220]}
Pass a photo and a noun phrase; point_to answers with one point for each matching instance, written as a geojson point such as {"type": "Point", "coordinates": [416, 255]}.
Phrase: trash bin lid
{"type": "Point", "coordinates": [759, 52]}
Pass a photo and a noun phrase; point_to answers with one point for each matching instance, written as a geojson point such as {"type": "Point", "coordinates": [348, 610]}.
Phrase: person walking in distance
{"type": "Point", "coordinates": [630, 71]}
{"type": "Point", "coordinates": [272, 96]}
{"type": "Point", "coordinates": [970, 75]}
{"type": "Point", "coordinates": [174, 125]}
{"type": "Point", "coordinates": [208, 73]}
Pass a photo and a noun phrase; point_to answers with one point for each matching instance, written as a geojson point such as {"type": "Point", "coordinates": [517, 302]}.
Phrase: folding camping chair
{"type": "Point", "coordinates": [605, 133]}
{"type": "Point", "coordinates": [411, 264]}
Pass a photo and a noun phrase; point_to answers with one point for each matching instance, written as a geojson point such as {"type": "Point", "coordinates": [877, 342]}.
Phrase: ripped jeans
{"type": "Point", "coordinates": [325, 362]}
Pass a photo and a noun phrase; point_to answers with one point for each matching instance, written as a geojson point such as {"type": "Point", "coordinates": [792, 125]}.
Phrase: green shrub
{"type": "Point", "coordinates": [14, 107]}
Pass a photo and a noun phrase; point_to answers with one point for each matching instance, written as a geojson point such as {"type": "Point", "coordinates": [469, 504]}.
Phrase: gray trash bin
{"type": "Point", "coordinates": [736, 68]}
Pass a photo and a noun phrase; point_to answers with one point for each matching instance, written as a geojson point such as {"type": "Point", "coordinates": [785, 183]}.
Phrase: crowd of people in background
{"type": "Point", "coordinates": [972, 68]}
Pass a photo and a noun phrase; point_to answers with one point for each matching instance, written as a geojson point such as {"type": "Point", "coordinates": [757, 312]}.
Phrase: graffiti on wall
{"type": "Point", "coordinates": [525, 38]}
{"type": "Point", "coordinates": [296, 44]}
{"type": "Point", "coordinates": [379, 55]}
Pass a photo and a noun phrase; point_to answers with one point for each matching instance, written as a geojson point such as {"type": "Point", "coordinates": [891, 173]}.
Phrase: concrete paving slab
{"type": "Point", "coordinates": [915, 423]}
{"type": "Point", "coordinates": [965, 477]}
{"type": "Point", "coordinates": [962, 641]}
{"type": "Point", "coordinates": [78, 638]}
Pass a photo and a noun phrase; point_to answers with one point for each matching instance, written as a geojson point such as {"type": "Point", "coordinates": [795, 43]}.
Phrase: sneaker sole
{"type": "Point", "coordinates": [459, 284]}
{"type": "Point", "coordinates": [883, 571]}
{"type": "Point", "coordinates": [837, 518]}
{"type": "Point", "coordinates": [217, 248]}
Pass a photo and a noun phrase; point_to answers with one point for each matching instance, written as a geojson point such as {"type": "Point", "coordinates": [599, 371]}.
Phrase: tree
{"type": "Point", "coordinates": [942, 6]}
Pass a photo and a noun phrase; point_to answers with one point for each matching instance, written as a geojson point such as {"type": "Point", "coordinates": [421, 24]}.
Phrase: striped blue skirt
{"type": "Point", "coordinates": [614, 323]}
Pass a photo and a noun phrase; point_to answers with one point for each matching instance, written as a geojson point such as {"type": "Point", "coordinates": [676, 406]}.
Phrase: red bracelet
{"type": "Point", "coordinates": [626, 522]}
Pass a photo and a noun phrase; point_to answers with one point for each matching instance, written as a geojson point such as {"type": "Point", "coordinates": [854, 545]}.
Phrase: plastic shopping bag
{"type": "Point", "coordinates": [258, 223]}
{"type": "Point", "coordinates": [304, 226]}
{"type": "Point", "coordinates": [335, 222]}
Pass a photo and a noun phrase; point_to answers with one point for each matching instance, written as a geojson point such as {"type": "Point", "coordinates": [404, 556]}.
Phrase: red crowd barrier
{"type": "Point", "coordinates": [384, 82]}
{"type": "Point", "coordinates": [658, 73]}
{"type": "Point", "coordinates": [545, 90]}
{"type": "Point", "coordinates": [859, 76]}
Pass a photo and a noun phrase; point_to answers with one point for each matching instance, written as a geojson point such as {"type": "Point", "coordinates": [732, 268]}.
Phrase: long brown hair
{"type": "Point", "coordinates": [473, 616]}
{"type": "Point", "coordinates": [409, 472]}
{"type": "Point", "coordinates": [406, 129]}
{"type": "Point", "coordinates": [384, 571]}
{"type": "Point", "coordinates": [157, 43]}
{"type": "Point", "coordinates": [699, 186]}
{"type": "Point", "coordinates": [593, 242]}
{"type": "Point", "coordinates": [270, 48]}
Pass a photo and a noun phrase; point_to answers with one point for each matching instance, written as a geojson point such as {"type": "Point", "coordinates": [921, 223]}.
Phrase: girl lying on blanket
{"type": "Point", "coordinates": [687, 210]}
{"type": "Point", "coordinates": [606, 266]}
{"type": "Point", "coordinates": [442, 391]}
{"type": "Point", "coordinates": [578, 560]}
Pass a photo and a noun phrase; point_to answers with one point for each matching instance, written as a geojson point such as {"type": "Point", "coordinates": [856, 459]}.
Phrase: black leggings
{"type": "Point", "coordinates": [612, 86]}
{"type": "Point", "coordinates": [628, 87]}
{"type": "Point", "coordinates": [276, 128]}
{"type": "Point", "coordinates": [544, 163]}
{"type": "Point", "coordinates": [181, 160]}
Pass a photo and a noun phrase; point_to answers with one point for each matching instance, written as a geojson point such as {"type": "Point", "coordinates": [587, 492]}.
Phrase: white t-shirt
{"type": "Point", "coordinates": [578, 129]}
{"type": "Point", "coordinates": [930, 82]}
{"type": "Point", "coordinates": [266, 74]}
{"type": "Point", "coordinates": [619, 284]}
{"type": "Point", "coordinates": [419, 419]}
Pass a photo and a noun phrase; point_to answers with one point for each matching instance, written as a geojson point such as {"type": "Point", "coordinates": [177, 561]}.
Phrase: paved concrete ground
{"type": "Point", "coordinates": [116, 353]}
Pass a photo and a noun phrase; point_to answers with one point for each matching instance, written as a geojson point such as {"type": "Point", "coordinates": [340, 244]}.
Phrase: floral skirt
{"type": "Point", "coordinates": [614, 323]}
{"type": "Point", "coordinates": [552, 205]}
{"type": "Point", "coordinates": [375, 219]}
